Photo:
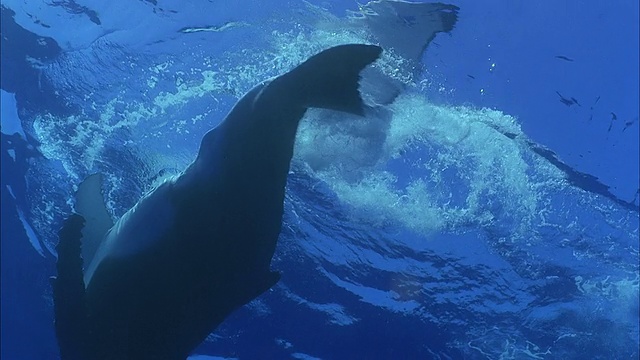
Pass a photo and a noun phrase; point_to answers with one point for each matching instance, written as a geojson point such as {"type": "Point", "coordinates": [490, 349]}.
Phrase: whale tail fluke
{"type": "Point", "coordinates": [330, 79]}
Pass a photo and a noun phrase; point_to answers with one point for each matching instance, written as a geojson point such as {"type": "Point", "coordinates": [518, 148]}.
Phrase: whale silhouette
{"type": "Point", "coordinates": [198, 246]}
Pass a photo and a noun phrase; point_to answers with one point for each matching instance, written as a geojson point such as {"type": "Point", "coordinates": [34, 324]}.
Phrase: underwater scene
{"type": "Point", "coordinates": [320, 179]}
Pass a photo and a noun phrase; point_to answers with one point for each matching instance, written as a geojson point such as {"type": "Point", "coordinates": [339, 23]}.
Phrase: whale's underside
{"type": "Point", "coordinates": [199, 246]}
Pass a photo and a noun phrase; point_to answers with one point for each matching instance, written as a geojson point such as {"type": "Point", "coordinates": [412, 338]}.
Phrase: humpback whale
{"type": "Point", "coordinates": [198, 246]}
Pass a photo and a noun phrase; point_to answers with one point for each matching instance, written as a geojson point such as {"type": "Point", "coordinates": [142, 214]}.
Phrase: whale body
{"type": "Point", "coordinates": [200, 245]}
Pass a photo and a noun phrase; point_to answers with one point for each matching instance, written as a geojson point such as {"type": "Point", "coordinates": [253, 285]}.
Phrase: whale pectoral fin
{"type": "Point", "coordinates": [69, 292]}
{"type": "Point", "coordinates": [90, 204]}
{"type": "Point", "coordinates": [330, 79]}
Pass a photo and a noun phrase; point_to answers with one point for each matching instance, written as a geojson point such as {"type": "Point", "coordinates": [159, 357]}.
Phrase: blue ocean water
{"type": "Point", "coordinates": [493, 214]}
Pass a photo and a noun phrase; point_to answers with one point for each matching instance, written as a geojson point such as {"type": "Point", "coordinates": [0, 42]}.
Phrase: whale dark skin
{"type": "Point", "coordinates": [199, 246]}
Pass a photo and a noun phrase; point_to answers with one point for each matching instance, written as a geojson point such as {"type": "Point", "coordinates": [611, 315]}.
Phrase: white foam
{"type": "Point", "coordinates": [464, 140]}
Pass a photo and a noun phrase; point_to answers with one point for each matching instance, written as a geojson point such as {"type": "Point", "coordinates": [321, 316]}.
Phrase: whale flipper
{"type": "Point", "coordinates": [69, 292]}
{"type": "Point", "coordinates": [91, 206]}
{"type": "Point", "coordinates": [199, 246]}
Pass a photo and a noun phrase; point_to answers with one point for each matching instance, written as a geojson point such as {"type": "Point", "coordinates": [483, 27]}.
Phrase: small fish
{"type": "Point", "coordinates": [564, 100]}
{"type": "Point", "coordinates": [629, 123]}
{"type": "Point", "coordinates": [562, 57]}
{"type": "Point", "coordinates": [471, 76]}
{"type": "Point", "coordinates": [595, 102]}
{"type": "Point", "coordinates": [614, 117]}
